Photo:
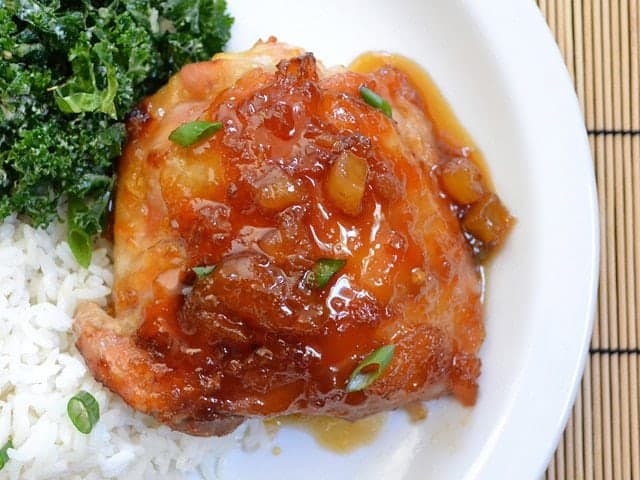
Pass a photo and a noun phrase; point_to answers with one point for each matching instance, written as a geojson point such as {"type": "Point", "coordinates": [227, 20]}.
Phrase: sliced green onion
{"type": "Point", "coordinates": [375, 100]}
{"type": "Point", "coordinates": [202, 272]}
{"type": "Point", "coordinates": [381, 358]}
{"type": "Point", "coordinates": [83, 411]}
{"type": "Point", "coordinates": [323, 270]}
{"type": "Point", "coordinates": [4, 458]}
{"type": "Point", "coordinates": [189, 133]}
{"type": "Point", "coordinates": [81, 246]}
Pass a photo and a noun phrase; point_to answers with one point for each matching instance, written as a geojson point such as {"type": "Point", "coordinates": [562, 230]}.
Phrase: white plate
{"type": "Point", "coordinates": [498, 66]}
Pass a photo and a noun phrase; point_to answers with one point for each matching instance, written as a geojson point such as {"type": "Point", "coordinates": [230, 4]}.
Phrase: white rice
{"type": "Point", "coordinates": [40, 369]}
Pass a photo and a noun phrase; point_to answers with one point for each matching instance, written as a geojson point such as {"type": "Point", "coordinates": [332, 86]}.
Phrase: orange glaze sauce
{"type": "Point", "coordinates": [218, 202]}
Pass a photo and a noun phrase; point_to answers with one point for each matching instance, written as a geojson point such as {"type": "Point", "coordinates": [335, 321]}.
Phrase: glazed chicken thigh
{"type": "Point", "coordinates": [222, 305]}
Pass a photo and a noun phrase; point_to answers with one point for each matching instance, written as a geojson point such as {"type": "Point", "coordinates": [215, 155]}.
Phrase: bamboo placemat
{"type": "Point", "coordinates": [600, 42]}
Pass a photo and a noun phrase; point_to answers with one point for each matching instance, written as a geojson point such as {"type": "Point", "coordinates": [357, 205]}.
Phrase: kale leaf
{"type": "Point", "coordinates": [70, 71]}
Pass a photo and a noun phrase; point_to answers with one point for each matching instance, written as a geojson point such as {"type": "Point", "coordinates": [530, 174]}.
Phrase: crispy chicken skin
{"type": "Point", "coordinates": [303, 169]}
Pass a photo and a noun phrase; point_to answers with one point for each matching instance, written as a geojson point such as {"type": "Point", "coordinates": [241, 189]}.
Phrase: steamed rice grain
{"type": "Point", "coordinates": [40, 369]}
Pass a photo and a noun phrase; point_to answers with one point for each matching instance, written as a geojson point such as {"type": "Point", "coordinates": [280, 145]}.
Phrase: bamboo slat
{"type": "Point", "coordinates": [600, 43]}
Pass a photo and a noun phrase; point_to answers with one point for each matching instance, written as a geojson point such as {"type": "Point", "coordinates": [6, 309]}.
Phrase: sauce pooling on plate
{"type": "Point", "coordinates": [290, 239]}
{"type": "Point", "coordinates": [334, 434]}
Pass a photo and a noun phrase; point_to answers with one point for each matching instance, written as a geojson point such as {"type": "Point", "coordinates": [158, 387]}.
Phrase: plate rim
{"type": "Point", "coordinates": [535, 25]}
